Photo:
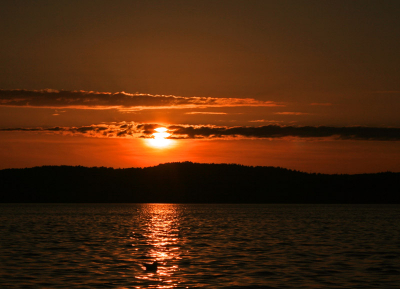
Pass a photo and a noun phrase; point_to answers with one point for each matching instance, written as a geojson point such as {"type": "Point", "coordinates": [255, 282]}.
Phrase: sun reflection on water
{"type": "Point", "coordinates": [159, 240]}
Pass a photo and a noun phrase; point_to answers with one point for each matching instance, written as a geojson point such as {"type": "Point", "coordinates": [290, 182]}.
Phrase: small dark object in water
{"type": "Point", "coordinates": [151, 267]}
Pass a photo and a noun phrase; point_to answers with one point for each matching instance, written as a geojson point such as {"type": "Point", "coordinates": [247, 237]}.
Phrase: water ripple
{"type": "Point", "coordinates": [199, 246]}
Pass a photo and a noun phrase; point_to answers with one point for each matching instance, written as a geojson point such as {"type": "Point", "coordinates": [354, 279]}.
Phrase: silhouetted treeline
{"type": "Point", "coordinates": [194, 183]}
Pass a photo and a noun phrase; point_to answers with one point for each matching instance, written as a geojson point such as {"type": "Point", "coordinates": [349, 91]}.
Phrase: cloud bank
{"type": "Point", "coordinates": [291, 113]}
{"type": "Point", "coordinates": [146, 130]}
{"type": "Point", "coordinates": [205, 112]}
{"type": "Point", "coordinates": [49, 98]}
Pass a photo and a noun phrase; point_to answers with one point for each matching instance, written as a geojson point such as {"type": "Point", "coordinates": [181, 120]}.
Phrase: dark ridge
{"type": "Point", "coordinates": [193, 183]}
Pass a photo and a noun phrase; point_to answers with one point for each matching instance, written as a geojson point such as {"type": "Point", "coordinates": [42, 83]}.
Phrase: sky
{"type": "Point", "coordinates": [306, 85]}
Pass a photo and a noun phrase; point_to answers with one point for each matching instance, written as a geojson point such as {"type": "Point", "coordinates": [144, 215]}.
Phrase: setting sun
{"type": "Point", "coordinates": [159, 139]}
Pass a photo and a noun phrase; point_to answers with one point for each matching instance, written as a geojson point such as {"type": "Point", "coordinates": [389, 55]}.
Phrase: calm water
{"type": "Point", "coordinates": [199, 246]}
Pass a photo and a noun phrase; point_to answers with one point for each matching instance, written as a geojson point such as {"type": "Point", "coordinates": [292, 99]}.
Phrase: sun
{"type": "Point", "coordinates": [159, 139]}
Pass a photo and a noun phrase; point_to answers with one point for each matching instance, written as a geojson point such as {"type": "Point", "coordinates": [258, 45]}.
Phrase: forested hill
{"type": "Point", "coordinates": [194, 183]}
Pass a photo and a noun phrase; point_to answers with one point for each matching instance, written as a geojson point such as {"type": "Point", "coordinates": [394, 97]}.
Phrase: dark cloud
{"type": "Point", "coordinates": [205, 112]}
{"type": "Point", "coordinates": [22, 129]}
{"type": "Point", "coordinates": [275, 131]}
{"type": "Point", "coordinates": [120, 100]}
{"type": "Point", "coordinates": [291, 113]}
{"type": "Point", "coordinates": [147, 128]}
{"type": "Point", "coordinates": [139, 130]}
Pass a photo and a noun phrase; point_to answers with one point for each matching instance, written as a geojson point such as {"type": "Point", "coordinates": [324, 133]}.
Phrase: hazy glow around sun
{"type": "Point", "coordinates": [161, 129]}
{"type": "Point", "coordinates": [159, 139]}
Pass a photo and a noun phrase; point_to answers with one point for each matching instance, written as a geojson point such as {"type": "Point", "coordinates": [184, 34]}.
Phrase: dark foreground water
{"type": "Point", "coordinates": [199, 246]}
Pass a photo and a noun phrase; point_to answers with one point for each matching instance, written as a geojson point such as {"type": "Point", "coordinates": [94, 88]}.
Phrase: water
{"type": "Point", "coordinates": [199, 246]}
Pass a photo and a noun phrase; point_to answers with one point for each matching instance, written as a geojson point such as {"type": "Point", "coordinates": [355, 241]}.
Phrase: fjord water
{"type": "Point", "coordinates": [199, 246]}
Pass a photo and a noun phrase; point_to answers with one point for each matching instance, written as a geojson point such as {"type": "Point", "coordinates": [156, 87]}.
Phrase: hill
{"type": "Point", "coordinates": [193, 183]}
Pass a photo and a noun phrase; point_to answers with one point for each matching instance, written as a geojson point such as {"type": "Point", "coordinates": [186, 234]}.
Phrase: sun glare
{"type": "Point", "coordinates": [161, 129]}
{"type": "Point", "coordinates": [159, 139]}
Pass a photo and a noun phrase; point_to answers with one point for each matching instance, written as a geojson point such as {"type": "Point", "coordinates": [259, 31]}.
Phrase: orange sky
{"type": "Point", "coordinates": [19, 150]}
{"type": "Point", "coordinates": [307, 85]}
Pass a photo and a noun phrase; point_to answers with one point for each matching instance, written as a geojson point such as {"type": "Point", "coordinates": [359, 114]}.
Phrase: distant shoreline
{"type": "Point", "coordinates": [193, 163]}
{"type": "Point", "coordinates": [196, 183]}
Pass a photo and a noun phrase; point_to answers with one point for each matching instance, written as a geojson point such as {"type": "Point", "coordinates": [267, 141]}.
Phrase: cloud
{"type": "Point", "coordinates": [49, 98]}
{"type": "Point", "coordinates": [275, 131]}
{"type": "Point", "coordinates": [204, 112]}
{"type": "Point", "coordinates": [145, 130]}
{"type": "Point", "coordinates": [266, 121]}
{"type": "Point", "coordinates": [101, 130]}
{"type": "Point", "coordinates": [291, 113]}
